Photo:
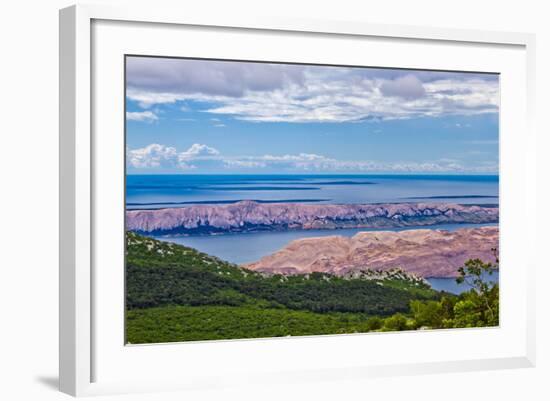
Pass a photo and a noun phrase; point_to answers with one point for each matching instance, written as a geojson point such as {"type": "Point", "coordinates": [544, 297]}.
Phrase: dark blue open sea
{"type": "Point", "coordinates": [161, 191]}
{"type": "Point", "coordinates": [157, 191]}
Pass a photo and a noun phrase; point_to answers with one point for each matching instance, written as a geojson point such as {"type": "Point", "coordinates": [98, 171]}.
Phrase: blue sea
{"type": "Point", "coordinates": [161, 191]}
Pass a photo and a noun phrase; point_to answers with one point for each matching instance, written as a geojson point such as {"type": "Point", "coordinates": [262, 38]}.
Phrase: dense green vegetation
{"type": "Point", "coordinates": [184, 323]}
{"type": "Point", "coordinates": [160, 274]}
{"type": "Point", "coordinates": [175, 293]}
{"type": "Point", "coordinates": [478, 307]}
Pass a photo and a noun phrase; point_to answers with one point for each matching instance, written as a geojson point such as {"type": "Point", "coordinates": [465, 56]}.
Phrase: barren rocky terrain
{"type": "Point", "coordinates": [426, 253]}
{"type": "Point", "coordinates": [248, 216]}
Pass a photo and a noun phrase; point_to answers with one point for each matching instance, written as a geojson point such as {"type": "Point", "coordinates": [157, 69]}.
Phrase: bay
{"type": "Point", "coordinates": [243, 248]}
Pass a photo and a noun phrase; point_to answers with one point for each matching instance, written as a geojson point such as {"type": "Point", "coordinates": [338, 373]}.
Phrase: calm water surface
{"type": "Point", "coordinates": [450, 285]}
{"type": "Point", "coordinates": [157, 191]}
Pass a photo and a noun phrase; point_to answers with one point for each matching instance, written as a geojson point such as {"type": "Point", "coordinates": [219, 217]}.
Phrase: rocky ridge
{"type": "Point", "coordinates": [249, 216]}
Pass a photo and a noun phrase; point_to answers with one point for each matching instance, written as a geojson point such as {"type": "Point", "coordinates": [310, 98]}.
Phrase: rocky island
{"type": "Point", "coordinates": [426, 253]}
{"type": "Point", "coordinates": [249, 216]}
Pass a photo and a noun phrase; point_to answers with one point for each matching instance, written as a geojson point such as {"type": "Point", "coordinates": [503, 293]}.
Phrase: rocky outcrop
{"type": "Point", "coordinates": [252, 216]}
{"type": "Point", "coordinates": [426, 253]}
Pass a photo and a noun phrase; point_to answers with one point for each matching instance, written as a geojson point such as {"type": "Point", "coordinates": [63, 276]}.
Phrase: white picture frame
{"type": "Point", "coordinates": [81, 211]}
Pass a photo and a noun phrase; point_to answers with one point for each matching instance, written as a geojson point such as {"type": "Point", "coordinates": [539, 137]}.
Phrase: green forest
{"type": "Point", "coordinates": [175, 293]}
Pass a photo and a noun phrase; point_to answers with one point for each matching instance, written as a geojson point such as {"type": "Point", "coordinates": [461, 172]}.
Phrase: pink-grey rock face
{"type": "Point", "coordinates": [252, 216]}
{"type": "Point", "coordinates": [426, 253]}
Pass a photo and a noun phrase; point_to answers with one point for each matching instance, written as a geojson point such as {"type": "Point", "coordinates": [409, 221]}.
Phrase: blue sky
{"type": "Point", "coordinates": [199, 116]}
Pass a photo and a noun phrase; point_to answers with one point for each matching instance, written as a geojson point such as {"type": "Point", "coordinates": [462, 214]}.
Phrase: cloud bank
{"type": "Point", "coordinates": [262, 92]}
{"type": "Point", "coordinates": [156, 156]}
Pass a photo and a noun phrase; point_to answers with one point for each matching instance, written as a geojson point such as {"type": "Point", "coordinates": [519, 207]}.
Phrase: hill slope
{"type": "Point", "coordinates": [173, 290]}
{"type": "Point", "coordinates": [160, 273]}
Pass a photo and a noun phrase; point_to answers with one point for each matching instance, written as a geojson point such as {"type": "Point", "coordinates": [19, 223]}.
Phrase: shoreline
{"type": "Point", "coordinates": [248, 248]}
{"type": "Point", "coordinates": [335, 230]}
{"type": "Point", "coordinates": [185, 204]}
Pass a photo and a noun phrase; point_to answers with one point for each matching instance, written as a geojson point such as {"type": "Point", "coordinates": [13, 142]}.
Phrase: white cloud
{"type": "Point", "coordinates": [146, 116]}
{"type": "Point", "coordinates": [196, 151]}
{"type": "Point", "coordinates": [232, 163]}
{"type": "Point", "coordinates": [313, 162]}
{"type": "Point", "coordinates": [146, 99]}
{"type": "Point", "coordinates": [157, 156]}
{"type": "Point", "coordinates": [152, 156]}
{"type": "Point", "coordinates": [343, 101]}
{"type": "Point", "coordinates": [293, 93]}
{"type": "Point", "coordinates": [203, 156]}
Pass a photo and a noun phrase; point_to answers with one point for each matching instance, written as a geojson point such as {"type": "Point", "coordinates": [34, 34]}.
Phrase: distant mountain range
{"type": "Point", "coordinates": [250, 216]}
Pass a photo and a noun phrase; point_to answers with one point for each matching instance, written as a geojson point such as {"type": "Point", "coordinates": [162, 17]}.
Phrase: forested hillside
{"type": "Point", "coordinates": [175, 293]}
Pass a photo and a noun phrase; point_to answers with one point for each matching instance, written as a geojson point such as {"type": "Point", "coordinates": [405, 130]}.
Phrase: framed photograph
{"type": "Point", "coordinates": [276, 200]}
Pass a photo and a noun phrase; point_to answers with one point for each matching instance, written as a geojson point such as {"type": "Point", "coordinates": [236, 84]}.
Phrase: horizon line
{"type": "Point", "coordinates": [492, 174]}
